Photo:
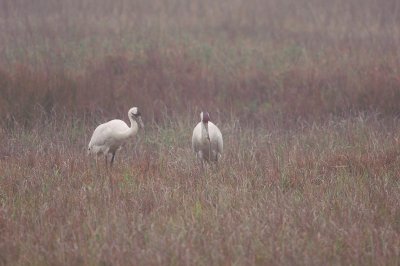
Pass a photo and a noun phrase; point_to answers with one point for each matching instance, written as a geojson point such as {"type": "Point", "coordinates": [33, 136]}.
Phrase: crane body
{"type": "Point", "coordinates": [107, 138]}
{"type": "Point", "coordinates": [207, 142]}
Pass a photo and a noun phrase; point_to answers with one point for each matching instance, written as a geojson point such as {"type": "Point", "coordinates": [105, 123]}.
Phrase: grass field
{"type": "Point", "coordinates": [306, 94]}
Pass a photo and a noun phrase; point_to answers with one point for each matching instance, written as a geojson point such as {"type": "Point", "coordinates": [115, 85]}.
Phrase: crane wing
{"type": "Point", "coordinates": [196, 138]}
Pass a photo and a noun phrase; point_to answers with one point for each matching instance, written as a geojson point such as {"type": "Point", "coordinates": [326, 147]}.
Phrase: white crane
{"type": "Point", "coordinates": [207, 140]}
{"type": "Point", "coordinates": [107, 138]}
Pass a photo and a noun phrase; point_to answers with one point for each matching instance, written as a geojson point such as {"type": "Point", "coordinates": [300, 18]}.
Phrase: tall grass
{"type": "Point", "coordinates": [314, 195]}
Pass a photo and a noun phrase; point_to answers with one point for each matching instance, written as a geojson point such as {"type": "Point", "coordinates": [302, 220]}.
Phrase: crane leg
{"type": "Point", "coordinates": [200, 158]}
{"type": "Point", "coordinates": [106, 161]}
{"type": "Point", "coordinates": [112, 159]}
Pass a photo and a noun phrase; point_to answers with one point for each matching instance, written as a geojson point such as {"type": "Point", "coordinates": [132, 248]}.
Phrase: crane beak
{"type": "Point", "coordinates": [140, 122]}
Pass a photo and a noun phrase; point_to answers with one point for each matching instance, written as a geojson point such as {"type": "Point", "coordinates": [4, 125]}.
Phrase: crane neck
{"type": "Point", "coordinates": [132, 130]}
{"type": "Point", "coordinates": [204, 131]}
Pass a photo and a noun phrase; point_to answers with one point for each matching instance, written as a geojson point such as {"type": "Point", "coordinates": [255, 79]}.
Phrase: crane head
{"type": "Point", "coordinates": [136, 115]}
{"type": "Point", "coordinates": [205, 117]}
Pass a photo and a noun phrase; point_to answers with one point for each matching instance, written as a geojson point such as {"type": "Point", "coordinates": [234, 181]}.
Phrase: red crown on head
{"type": "Point", "coordinates": [206, 117]}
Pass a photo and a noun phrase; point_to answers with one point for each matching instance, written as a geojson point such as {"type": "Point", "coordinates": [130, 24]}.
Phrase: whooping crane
{"type": "Point", "coordinates": [107, 138]}
{"type": "Point", "coordinates": [207, 140]}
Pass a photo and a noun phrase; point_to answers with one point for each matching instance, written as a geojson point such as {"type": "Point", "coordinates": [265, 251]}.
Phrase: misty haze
{"type": "Point", "coordinates": [295, 159]}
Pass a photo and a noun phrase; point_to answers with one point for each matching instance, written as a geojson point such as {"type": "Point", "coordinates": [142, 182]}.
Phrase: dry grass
{"type": "Point", "coordinates": [306, 94]}
{"type": "Point", "coordinates": [317, 195]}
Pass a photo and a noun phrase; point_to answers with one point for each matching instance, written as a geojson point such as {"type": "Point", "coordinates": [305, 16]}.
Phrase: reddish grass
{"type": "Point", "coordinates": [296, 60]}
{"type": "Point", "coordinates": [325, 194]}
{"type": "Point", "coordinates": [159, 85]}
